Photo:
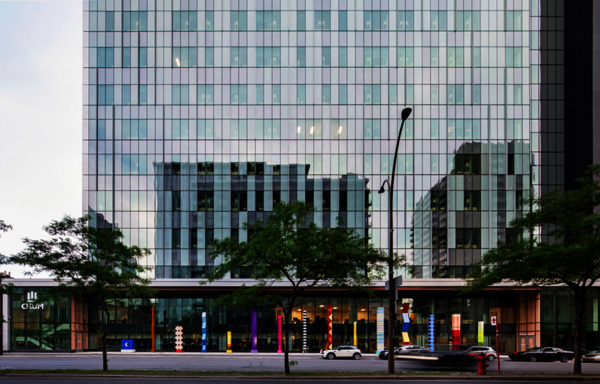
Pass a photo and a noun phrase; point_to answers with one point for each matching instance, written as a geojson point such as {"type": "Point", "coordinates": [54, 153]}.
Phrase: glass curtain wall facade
{"type": "Point", "coordinates": [78, 326]}
{"type": "Point", "coordinates": [201, 115]}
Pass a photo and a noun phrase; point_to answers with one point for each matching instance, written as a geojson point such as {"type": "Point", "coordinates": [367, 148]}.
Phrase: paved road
{"type": "Point", "coordinates": [244, 362]}
{"type": "Point", "coordinates": [75, 380]}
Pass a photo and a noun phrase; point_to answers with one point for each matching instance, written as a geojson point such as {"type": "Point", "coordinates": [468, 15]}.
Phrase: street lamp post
{"type": "Point", "coordinates": [392, 284]}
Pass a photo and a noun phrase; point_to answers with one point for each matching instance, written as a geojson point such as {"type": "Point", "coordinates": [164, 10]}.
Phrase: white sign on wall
{"type": "Point", "coordinates": [31, 299]}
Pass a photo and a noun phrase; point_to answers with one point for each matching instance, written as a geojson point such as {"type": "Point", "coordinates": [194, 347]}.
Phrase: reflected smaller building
{"type": "Point", "coordinates": [467, 212]}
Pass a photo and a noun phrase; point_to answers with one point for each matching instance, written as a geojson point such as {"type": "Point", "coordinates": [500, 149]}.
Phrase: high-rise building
{"type": "Point", "coordinates": [200, 115]}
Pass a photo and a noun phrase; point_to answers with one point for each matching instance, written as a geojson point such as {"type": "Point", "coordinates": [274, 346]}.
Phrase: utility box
{"type": "Point", "coordinates": [127, 346]}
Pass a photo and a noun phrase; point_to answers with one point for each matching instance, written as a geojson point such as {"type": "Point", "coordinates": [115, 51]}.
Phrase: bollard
{"type": "Point", "coordinates": [481, 364]}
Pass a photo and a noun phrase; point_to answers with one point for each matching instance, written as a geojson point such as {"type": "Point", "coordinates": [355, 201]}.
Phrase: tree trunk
{"type": "Point", "coordinates": [104, 341]}
{"type": "Point", "coordinates": [286, 350]}
{"type": "Point", "coordinates": [578, 331]}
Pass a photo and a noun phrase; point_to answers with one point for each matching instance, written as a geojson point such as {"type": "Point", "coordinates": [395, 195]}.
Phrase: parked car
{"type": "Point", "coordinates": [349, 351]}
{"type": "Point", "coordinates": [588, 348]}
{"type": "Point", "coordinates": [549, 354]}
{"type": "Point", "coordinates": [403, 349]}
{"type": "Point", "coordinates": [518, 355]}
{"type": "Point", "coordinates": [591, 357]}
{"type": "Point", "coordinates": [490, 354]}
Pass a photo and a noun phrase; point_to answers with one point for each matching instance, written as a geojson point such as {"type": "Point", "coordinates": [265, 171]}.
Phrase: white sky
{"type": "Point", "coordinates": [40, 117]}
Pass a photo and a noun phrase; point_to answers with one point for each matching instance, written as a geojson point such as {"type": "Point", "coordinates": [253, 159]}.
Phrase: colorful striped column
{"type": "Point", "coordinates": [179, 339]}
{"type": "Point", "coordinates": [380, 329]}
{"type": "Point", "coordinates": [254, 333]}
{"type": "Point", "coordinates": [229, 342]}
{"type": "Point", "coordinates": [456, 331]}
{"type": "Point", "coordinates": [304, 345]}
{"type": "Point", "coordinates": [330, 328]}
{"type": "Point", "coordinates": [406, 325]}
{"type": "Point", "coordinates": [431, 332]}
{"type": "Point", "coordinates": [204, 332]}
{"type": "Point", "coordinates": [279, 334]}
{"type": "Point", "coordinates": [480, 332]}
{"type": "Point", "coordinates": [355, 338]}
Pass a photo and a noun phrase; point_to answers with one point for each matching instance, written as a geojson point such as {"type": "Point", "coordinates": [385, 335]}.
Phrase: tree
{"type": "Point", "coordinates": [84, 260]}
{"type": "Point", "coordinates": [4, 288]}
{"type": "Point", "coordinates": [290, 248]}
{"type": "Point", "coordinates": [564, 248]}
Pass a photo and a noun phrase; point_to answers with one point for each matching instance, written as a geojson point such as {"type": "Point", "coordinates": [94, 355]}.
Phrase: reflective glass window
{"type": "Point", "coordinates": [322, 20]}
{"type": "Point", "coordinates": [185, 21]}
{"type": "Point", "coordinates": [406, 20]}
{"type": "Point", "coordinates": [135, 21]}
{"type": "Point", "coordinates": [239, 20]}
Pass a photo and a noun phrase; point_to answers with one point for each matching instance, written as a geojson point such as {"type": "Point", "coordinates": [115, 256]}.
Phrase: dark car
{"type": "Point", "coordinates": [459, 360]}
{"type": "Point", "coordinates": [549, 354]}
{"type": "Point", "coordinates": [403, 349]}
{"type": "Point", "coordinates": [518, 355]}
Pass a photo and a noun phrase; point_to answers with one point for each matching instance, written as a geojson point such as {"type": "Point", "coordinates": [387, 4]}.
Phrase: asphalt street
{"type": "Point", "coordinates": [246, 362]}
{"type": "Point", "coordinates": [69, 380]}
{"type": "Point", "coordinates": [93, 380]}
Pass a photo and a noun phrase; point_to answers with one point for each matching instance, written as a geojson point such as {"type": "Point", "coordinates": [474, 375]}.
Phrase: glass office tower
{"type": "Point", "coordinates": [200, 115]}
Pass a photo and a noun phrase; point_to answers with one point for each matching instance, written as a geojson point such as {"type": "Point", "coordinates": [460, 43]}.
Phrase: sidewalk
{"type": "Point", "coordinates": [464, 377]}
{"type": "Point", "coordinates": [170, 354]}
{"type": "Point", "coordinates": [233, 355]}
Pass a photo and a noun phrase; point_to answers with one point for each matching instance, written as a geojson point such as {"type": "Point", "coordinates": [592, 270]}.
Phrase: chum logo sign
{"type": "Point", "coordinates": [31, 299]}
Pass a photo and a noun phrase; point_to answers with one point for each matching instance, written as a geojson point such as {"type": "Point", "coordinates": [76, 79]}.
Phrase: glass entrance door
{"type": "Point", "coordinates": [526, 342]}
{"type": "Point", "coordinates": [79, 341]}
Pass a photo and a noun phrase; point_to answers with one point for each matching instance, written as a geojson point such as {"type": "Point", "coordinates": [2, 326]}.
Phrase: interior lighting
{"type": "Point", "coordinates": [340, 129]}
{"type": "Point", "coordinates": [312, 130]}
{"type": "Point", "coordinates": [178, 62]}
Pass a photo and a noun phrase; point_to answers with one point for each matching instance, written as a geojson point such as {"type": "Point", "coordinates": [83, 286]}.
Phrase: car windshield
{"type": "Point", "coordinates": [597, 351]}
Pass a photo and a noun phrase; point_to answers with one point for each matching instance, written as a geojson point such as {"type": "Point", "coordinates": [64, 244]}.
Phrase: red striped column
{"type": "Point", "coordinates": [330, 328]}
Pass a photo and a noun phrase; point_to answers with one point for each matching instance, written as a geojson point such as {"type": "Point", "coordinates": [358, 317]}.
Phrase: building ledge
{"type": "Point", "coordinates": [407, 284]}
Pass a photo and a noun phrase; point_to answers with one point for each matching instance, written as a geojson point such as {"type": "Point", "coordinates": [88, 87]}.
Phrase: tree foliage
{"type": "Point", "coordinates": [289, 254]}
{"type": "Point", "coordinates": [564, 247]}
{"type": "Point", "coordinates": [84, 260]}
{"type": "Point", "coordinates": [4, 227]}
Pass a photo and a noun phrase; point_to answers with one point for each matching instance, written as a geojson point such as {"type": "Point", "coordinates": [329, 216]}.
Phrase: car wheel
{"type": "Point", "coordinates": [533, 358]}
{"type": "Point", "coordinates": [331, 356]}
{"type": "Point", "coordinates": [564, 359]}
{"type": "Point", "coordinates": [491, 358]}
{"type": "Point", "coordinates": [356, 356]}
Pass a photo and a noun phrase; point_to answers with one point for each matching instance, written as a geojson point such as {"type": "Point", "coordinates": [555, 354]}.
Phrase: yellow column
{"type": "Point", "coordinates": [229, 342]}
{"type": "Point", "coordinates": [355, 338]}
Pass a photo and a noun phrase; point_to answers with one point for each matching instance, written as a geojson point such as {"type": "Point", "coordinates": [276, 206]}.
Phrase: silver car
{"type": "Point", "coordinates": [348, 351]}
{"type": "Point", "coordinates": [490, 354]}
{"type": "Point", "coordinates": [591, 357]}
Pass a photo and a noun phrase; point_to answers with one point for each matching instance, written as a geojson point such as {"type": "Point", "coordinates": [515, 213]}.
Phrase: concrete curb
{"type": "Point", "coordinates": [544, 378]}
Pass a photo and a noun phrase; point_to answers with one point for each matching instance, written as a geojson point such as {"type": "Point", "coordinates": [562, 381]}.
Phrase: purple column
{"type": "Point", "coordinates": [254, 333]}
